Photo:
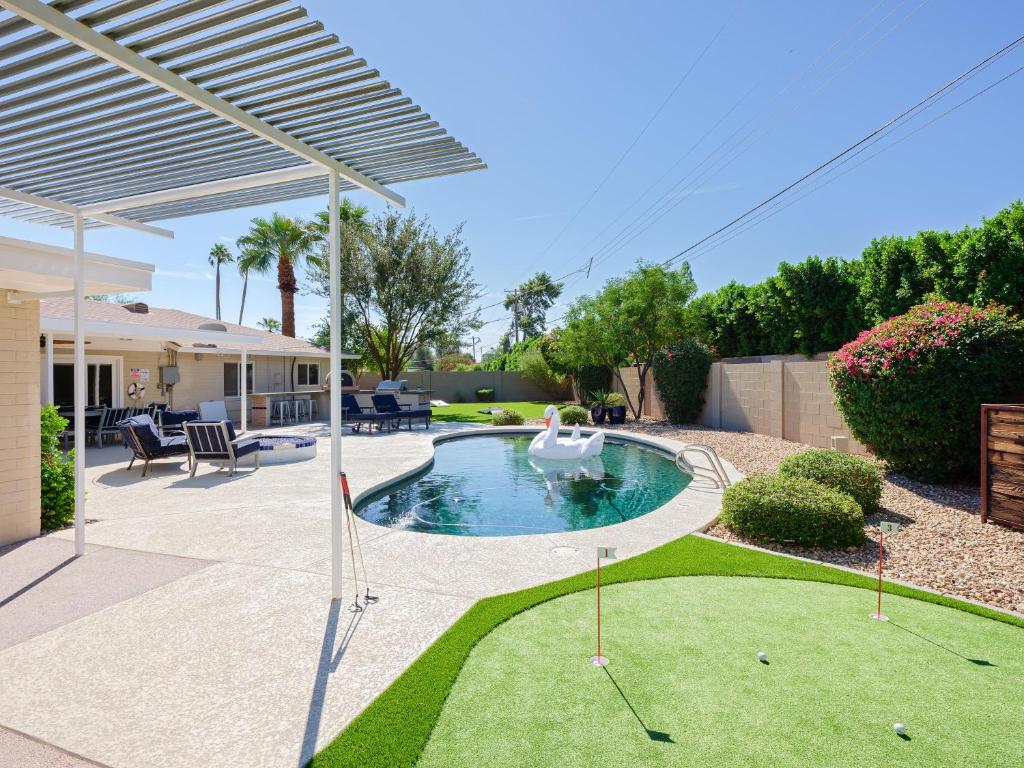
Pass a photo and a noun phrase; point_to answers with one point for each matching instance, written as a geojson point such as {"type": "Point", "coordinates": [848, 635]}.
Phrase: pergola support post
{"type": "Point", "coordinates": [80, 384]}
{"type": "Point", "coordinates": [334, 214]}
{"type": "Point", "coordinates": [49, 369]}
{"type": "Point", "coordinates": [244, 388]}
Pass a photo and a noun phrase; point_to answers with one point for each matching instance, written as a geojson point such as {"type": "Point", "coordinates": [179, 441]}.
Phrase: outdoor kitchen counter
{"type": "Point", "coordinates": [262, 402]}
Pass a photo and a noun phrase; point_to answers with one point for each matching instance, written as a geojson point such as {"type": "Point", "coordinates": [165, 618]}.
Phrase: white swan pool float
{"type": "Point", "coordinates": [548, 445]}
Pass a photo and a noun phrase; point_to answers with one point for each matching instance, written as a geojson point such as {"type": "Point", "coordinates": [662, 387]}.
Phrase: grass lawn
{"type": "Point", "coordinates": [684, 686]}
{"type": "Point", "coordinates": [533, 409]}
{"type": "Point", "coordinates": [395, 729]}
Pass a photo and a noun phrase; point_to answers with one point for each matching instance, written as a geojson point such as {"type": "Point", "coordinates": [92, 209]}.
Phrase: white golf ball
{"type": "Point", "coordinates": [900, 728]}
{"type": "Point", "coordinates": [762, 656]}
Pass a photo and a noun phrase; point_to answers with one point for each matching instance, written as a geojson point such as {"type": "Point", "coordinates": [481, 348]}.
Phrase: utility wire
{"type": "Point", "coordinates": [901, 117]}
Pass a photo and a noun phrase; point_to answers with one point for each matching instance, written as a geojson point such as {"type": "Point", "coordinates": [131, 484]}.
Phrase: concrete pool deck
{"type": "Point", "coordinates": [198, 630]}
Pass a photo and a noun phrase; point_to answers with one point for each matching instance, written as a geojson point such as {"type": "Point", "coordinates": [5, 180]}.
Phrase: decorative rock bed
{"type": "Point", "coordinates": [285, 449]}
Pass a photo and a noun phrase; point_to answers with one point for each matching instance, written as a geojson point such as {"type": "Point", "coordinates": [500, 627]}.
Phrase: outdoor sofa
{"type": "Point", "coordinates": [141, 436]}
{"type": "Point", "coordinates": [215, 442]}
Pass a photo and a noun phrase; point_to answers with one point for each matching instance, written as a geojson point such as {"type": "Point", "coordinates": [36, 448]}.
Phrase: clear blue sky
{"type": "Point", "coordinates": [551, 94]}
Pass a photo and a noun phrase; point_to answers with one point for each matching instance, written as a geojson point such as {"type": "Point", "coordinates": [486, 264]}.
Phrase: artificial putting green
{"type": "Point", "coordinates": [684, 686]}
{"type": "Point", "coordinates": [393, 731]}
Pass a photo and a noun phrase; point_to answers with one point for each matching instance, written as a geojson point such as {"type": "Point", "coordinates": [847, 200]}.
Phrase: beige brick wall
{"type": "Point", "coordinates": [786, 397]}
{"type": "Point", "coordinates": [19, 420]}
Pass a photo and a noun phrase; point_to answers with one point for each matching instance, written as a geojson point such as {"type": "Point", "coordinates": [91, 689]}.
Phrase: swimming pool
{"type": "Point", "coordinates": [488, 485]}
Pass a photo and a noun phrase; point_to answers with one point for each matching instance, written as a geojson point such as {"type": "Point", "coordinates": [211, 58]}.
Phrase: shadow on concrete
{"type": "Point", "coordinates": [36, 581]}
{"type": "Point", "coordinates": [652, 735]}
{"type": "Point", "coordinates": [328, 664]}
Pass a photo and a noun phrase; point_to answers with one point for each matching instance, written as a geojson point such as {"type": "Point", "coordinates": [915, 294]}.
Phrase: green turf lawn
{"type": "Point", "coordinates": [394, 730]}
{"type": "Point", "coordinates": [684, 686]}
{"type": "Point", "coordinates": [470, 411]}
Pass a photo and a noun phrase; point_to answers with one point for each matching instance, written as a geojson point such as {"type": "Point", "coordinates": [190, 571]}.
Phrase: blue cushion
{"type": "Point", "coordinates": [145, 430]}
{"type": "Point", "coordinates": [245, 447]}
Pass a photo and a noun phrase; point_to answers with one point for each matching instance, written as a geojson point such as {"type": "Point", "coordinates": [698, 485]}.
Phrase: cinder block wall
{"type": "Point", "coordinates": [787, 397]}
{"type": "Point", "coordinates": [19, 420]}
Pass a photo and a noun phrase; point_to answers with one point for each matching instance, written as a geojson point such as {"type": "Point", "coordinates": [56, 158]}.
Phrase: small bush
{"type": "Point", "coordinates": [573, 414]}
{"type": "Point", "coordinates": [793, 510]}
{"type": "Point", "coordinates": [507, 418]}
{"type": "Point", "coordinates": [911, 388]}
{"type": "Point", "coordinates": [56, 474]}
{"type": "Point", "coordinates": [681, 375]}
{"type": "Point", "coordinates": [852, 475]}
{"type": "Point", "coordinates": [485, 395]}
{"type": "Point", "coordinates": [607, 399]}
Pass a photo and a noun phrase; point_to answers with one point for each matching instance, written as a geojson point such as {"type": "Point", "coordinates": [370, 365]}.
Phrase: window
{"type": "Point", "coordinates": [232, 382]}
{"type": "Point", "coordinates": [309, 374]}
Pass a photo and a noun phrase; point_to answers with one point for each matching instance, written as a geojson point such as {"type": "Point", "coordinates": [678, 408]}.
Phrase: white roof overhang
{"type": "Point", "coordinates": [34, 270]}
{"type": "Point", "coordinates": [184, 337]}
{"type": "Point", "coordinates": [112, 106]}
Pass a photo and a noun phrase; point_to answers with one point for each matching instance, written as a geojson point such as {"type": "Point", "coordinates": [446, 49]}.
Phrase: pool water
{"type": "Point", "coordinates": [488, 485]}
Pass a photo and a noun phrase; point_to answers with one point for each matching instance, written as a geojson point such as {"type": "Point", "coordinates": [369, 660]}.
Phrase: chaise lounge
{"type": "Point", "coordinates": [215, 442]}
{"type": "Point", "coordinates": [353, 414]}
{"type": "Point", "coordinates": [141, 436]}
{"type": "Point", "coordinates": [389, 406]}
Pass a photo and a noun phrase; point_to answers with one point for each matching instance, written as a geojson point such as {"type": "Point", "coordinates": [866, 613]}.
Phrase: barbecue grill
{"type": "Point", "coordinates": [392, 386]}
{"type": "Point", "coordinates": [400, 389]}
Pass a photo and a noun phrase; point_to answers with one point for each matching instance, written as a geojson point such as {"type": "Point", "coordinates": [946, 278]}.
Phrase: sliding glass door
{"type": "Point", "coordinates": [103, 377]}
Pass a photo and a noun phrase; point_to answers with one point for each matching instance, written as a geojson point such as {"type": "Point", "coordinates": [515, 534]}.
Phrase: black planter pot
{"type": "Point", "coordinates": [597, 413]}
{"type": "Point", "coordinates": [617, 414]}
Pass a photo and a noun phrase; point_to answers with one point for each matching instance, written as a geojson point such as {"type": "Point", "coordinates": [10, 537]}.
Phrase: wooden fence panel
{"type": "Point", "coordinates": [1002, 464]}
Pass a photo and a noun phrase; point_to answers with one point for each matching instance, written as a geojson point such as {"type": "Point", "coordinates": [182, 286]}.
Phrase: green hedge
{"type": "Point", "coordinates": [507, 418]}
{"type": "Point", "coordinates": [853, 475]}
{"type": "Point", "coordinates": [56, 473]}
{"type": "Point", "coordinates": [793, 510]}
{"type": "Point", "coordinates": [911, 388]}
{"type": "Point", "coordinates": [681, 375]}
{"type": "Point", "coordinates": [573, 414]}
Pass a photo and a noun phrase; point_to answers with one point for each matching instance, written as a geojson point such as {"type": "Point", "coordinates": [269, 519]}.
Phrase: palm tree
{"type": "Point", "coordinates": [219, 254]}
{"type": "Point", "coordinates": [283, 242]}
{"type": "Point", "coordinates": [271, 324]}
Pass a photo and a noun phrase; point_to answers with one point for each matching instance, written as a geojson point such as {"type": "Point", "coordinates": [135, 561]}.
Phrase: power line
{"type": "Point", "coordinates": [903, 116]}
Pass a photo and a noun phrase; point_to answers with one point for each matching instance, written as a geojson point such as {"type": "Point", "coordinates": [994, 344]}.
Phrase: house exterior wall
{"type": "Point", "coordinates": [202, 376]}
{"type": "Point", "coordinates": [19, 420]}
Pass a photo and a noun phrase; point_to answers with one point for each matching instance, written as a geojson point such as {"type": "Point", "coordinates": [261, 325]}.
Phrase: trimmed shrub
{"type": "Point", "coordinates": [793, 510]}
{"type": "Point", "coordinates": [485, 395]}
{"type": "Point", "coordinates": [681, 375]}
{"type": "Point", "coordinates": [911, 388]}
{"type": "Point", "coordinates": [853, 475]}
{"type": "Point", "coordinates": [573, 414]}
{"type": "Point", "coordinates": [56, 474]}
{"type": "Point", "coordinates": [507, 418]}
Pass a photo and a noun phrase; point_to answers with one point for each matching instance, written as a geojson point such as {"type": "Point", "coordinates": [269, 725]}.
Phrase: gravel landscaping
{"type": "Point", "coordinates": [942, 546]}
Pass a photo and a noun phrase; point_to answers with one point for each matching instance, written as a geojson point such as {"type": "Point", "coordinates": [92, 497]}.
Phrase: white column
{"type": "Point", "coordinates": [244, 388]}
{"type": "Point", "coordinates": [335, 289]}
{"type": "Point", "coordinates": [49, 369]}
{"type": "Point", "coordinates": [80, 379]}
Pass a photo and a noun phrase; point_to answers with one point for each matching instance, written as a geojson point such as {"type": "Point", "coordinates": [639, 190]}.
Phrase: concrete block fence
{"type": "Point", "coordinates": [781, 396]}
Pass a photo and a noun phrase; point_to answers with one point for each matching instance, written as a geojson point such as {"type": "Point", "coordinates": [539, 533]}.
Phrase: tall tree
{"type": "Point", "coordinates": [271, 324]}
{"type": "Point", "coordinates": [219, 254]}
{"type": "Point", "coordinates": [408, 287]}
{"type": "Point", "coordinates": [529, 304]}
{"type": "Point", "coordinates": [282, 242]}
{"type": "Point", "coordinates": [629, 322]}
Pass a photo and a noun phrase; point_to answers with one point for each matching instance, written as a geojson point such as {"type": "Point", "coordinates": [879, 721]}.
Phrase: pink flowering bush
{"type": "Point", "coordinates": [911, 388]}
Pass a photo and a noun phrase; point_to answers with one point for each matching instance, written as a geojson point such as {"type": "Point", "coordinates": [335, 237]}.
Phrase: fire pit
{"type": "Point", "coordinates": [284, 449]}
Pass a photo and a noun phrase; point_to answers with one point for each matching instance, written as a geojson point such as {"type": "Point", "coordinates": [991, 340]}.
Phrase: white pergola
{"type": "Point", "coordinates": [126, 112]}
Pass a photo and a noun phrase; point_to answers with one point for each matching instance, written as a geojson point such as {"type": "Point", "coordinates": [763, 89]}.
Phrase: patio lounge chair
{"type": "Point", "coordinates": [169, 422]}
{"type": "Point", "coordinates": [353, 414]}
{"type": "Point", "coordinates": [388, 404]}
{"type": "Point", "coordinates": [141, 436]}
{"type": "Point", "coordinates": [106, 423]}
{"type": "Point", "coordinates": [213, 410]}
{"type": "Point", "coordinates": [215, 441]}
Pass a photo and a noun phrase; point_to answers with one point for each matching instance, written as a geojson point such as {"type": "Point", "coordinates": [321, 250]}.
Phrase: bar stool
{"type": "Point", "coordinates": [301, 411]}
{"type": "Point", "coordinates": [314, 410]}
{"type": "Point", "coordinates": [282, 412]}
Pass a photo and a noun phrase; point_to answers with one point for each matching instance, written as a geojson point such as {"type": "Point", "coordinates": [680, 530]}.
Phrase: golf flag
{"type": "Point", "coordinates": [606, 553]}
{"type": "Point", "coordinates": [888, 527]}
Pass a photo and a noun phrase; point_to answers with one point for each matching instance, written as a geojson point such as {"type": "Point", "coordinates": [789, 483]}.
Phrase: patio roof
{"type": "Point", "coordinates": [116, 106]}
{"type": "Point", "coordinates": [30, 270]}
